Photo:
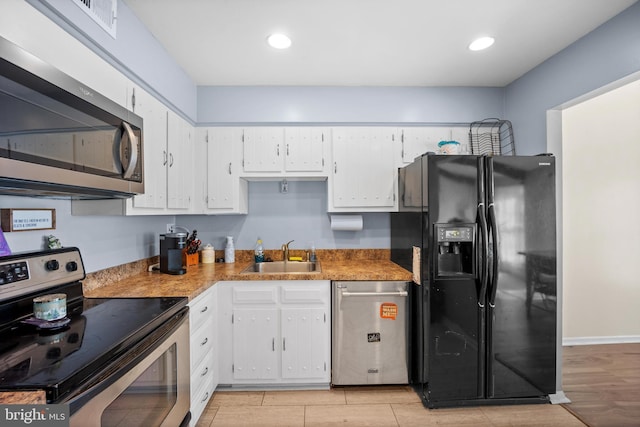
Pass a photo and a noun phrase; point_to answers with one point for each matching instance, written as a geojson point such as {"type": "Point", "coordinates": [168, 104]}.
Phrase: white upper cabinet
{"type": "Point", "coordinates": [263, 149]}
{"type": "Point", "coordinates": [180, 173]}
{"type": "Point", "coordinates": [154, 116]}
{"type": "Point", "coordinates": [364, 171]}
{"type": "Point", "coordinates": [294, 152]}
{"type": "Point", "coordinates": [304, 149]}
{"type": "Point", "coordinates": [221, 190]}
{"type": "Point", "coordinates": [168, 160]}
{"type": "Point", "coordinates": [416, 141]}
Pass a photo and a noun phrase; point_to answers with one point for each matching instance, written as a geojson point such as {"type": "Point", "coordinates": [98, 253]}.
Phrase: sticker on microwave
{"type": "Point", "coordinates": [388, 310]}
{"type": "Point", "coordinates": [373, 337]}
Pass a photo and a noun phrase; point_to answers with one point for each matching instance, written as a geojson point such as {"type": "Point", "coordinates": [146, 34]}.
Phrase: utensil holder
{"type": "Point", "coordinates": [190, 259]}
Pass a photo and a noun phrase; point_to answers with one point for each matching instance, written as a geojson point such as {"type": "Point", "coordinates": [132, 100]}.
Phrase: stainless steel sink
{"type": "Point", "coordinates": [283, 267]}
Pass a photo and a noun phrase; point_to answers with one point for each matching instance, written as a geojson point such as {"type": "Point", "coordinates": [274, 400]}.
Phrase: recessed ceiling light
{"type": "Point", "coordinates": [481, 43]}
{"type": "Point", "coordinates": [279, 41]}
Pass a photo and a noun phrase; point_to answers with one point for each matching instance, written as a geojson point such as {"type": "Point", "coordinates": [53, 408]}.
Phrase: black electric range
{"type": "Point", "coordinates": [63, 360]}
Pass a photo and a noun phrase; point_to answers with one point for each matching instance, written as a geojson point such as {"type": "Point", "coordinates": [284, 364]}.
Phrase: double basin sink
{"type": "Point", "coordinates": [282, 267]}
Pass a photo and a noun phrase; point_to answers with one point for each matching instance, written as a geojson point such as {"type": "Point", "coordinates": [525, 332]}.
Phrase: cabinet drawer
{"type": "Point", "coordinates": [200, 311]}
{"type": "Point", "coordinates": [304, 294]}
{"type": "Point", "coordinates": [199, 398]}
{"type": "Point", "coordinates": [201, 345]}
{"type": "Point", "coordinates": [259, 294]}
{"type": "Point", "coordinates": [202, 374]}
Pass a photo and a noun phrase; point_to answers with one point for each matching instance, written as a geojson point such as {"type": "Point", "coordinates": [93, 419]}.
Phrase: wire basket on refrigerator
{"type": "Point", "coordinates": [492, 136]}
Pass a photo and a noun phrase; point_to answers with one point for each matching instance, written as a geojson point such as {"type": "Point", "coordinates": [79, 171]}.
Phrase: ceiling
{"type": "Point", "coordinates": [367, 42]}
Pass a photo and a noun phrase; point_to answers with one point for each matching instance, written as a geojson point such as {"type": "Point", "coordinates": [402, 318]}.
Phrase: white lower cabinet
{"type": "Point", "coordinates": [203, 351]}
{"type": "Point", "coordinates": [274, 333]}
{"type": "Point", "coordinates": [254, 343]}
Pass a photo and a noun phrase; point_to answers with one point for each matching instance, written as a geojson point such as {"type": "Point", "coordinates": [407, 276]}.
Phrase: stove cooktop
{"type": "Point", "coordinates": [60, 360]}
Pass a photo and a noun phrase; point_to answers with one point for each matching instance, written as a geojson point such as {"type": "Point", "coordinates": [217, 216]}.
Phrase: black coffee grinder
{"type": "Point", "coordinates": [171, 247]}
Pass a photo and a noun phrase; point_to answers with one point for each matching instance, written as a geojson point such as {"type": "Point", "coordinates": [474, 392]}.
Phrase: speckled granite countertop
{"type": "Point", "coordinates": [336, 265]}
{"type": "Point", "coordinates": [35, 397]}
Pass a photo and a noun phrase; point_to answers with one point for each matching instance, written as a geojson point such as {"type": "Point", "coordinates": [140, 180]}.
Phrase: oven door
{"type": "Point", "coordinates": [149, 386]}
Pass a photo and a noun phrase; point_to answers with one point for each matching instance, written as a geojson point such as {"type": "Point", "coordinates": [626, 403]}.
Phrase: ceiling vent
{"type": "Point", "coordinates": [103, 12]}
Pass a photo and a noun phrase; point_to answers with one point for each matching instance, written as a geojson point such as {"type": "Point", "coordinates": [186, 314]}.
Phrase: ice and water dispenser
{"type": "Point", "coordinates": [455, 250]}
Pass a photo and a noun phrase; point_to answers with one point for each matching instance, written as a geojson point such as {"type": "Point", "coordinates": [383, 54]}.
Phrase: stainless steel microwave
{"type": "Point", "coordinates": [60, 138]}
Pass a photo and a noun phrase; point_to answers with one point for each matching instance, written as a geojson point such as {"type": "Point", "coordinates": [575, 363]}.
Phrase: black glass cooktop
{"type": "Point", "coordinates": [100, 330]}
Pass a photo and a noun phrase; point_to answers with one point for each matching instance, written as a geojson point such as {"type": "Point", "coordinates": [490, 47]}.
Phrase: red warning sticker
{"type": "Point", "coordinates": [388, 310]}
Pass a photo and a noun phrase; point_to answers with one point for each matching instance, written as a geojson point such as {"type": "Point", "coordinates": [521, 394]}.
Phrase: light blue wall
{"type": "Point", "coordinates": [104, 241]}
{"type": "Point", "coordinates": [300, 215]}
{"type": "Point", "coordinates": [346, 105]}
{"type": "Point", "coordinates": [605, 55]}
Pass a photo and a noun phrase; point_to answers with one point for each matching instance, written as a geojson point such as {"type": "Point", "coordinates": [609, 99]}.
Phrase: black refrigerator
{"type": "Point", "coordinates": [479, 234]}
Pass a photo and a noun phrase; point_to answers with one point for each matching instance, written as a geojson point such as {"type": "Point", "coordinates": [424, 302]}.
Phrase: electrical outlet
{"type": "Point", "coordinates": [171, 228]}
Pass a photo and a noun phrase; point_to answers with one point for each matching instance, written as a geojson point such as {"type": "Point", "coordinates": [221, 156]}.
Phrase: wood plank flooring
{"type": "Point", "coordinates": [603, 383]}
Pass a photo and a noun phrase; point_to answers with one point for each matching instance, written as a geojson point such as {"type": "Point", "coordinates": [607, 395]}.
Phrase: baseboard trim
{"type": "Point", "coordinates": [627, 339]}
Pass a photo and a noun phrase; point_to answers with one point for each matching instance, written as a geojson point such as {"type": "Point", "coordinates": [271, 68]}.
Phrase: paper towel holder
{"type": "Point", "coordinates": [346, 222]}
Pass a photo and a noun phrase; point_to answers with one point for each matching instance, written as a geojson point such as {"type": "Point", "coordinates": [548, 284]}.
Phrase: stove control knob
{"type": "Point", "coordinates": [52, 265]}
{"type": "Point", "coordinates": [71, 266]}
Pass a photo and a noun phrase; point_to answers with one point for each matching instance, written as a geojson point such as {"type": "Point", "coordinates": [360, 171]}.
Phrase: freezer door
{"type": "Point", "coordinates": [521, 329]}
{"type": "Point", "coordinates": [453, 319]}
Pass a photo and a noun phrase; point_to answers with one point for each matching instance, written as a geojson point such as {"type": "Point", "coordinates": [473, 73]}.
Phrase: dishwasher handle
{"type": "Point", "coordinates": [375, 294]}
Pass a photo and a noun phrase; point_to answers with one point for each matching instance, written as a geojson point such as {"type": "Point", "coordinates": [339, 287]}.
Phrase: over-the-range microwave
{"type": "Point", "coordinates": [60, 138]}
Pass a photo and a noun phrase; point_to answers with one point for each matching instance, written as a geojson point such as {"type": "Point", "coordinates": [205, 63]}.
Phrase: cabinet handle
{"type": "Point", "coordinates": [335, 167]}
{"type": "Point", "coordinates": [278, 150]}
{"type": "Point", "coordinates": [206, 397]}
{"type": "Point", "coordinates": [206, 340]}
{"type": "Point", "coordinates": [273, 344]}
{"type": "Point", "coordinates": [287, 149]}
{"type": "Point", "coordinates": [205, 372]}
{"type": "Point", "coordinates": [170, 159]}
{"type": "Point", "coordinates": [206, 307]}
{"type": "Point", "coordinates": [164, 157]}
{"type": "Point", "coordinates": [284, 344]}
{"type": "Point", "coordinates": [229, 168]}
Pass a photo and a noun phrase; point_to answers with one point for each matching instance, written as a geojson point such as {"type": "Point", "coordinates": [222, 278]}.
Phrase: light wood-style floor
{"type": "Point", "coordinates": [603, 384]}
{"type": "Point", "coordinates": [602, 381]}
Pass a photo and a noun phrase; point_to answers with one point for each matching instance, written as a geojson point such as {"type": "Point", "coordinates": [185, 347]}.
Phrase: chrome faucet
{"type": "Point", "coordinates": [285, 251]}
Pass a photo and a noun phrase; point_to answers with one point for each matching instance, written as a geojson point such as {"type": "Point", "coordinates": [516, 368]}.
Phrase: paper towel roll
{"type": "Point", "coordinates": [346, 222]}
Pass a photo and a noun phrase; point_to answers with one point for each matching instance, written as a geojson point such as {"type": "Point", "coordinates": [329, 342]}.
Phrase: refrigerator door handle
{"type": "Point", "coordinates": [484, 251]}
{"type": "Point", "coordinates": [496, 261]}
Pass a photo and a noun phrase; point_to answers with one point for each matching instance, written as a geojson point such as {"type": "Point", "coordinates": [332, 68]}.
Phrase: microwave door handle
{"type": "Point", "coordinates": [134, 144]}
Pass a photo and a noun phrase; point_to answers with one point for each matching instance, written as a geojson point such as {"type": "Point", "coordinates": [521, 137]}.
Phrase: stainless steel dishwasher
{"type": "Point", "coordinates": [369, 339]}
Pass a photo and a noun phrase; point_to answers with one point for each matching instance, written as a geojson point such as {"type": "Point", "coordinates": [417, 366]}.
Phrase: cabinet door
{"type": "Point", "coordinates": [304, 342]}
{"type": "Point", "coordinates": [419, 140]}
{"type": "Point", "coordinates": [154, 116]}
{"type": "Point", "coordinates": [255, 343]}
{"type": "Point", "coordinates": [226, 192]}
{"type": "Point", "coordinates": [263, 148]}
{"type": "Point", "coordinates": [461, 134]}
{"type": "Point", "coordinates": [180, 157]}
{"type": "Point", "coordinates": [304, 149]}
{"type": "Point", "coordinates": [364, 172]}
